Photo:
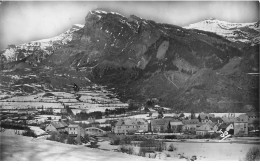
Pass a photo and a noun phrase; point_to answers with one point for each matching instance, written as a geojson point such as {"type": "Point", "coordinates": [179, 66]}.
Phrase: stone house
{"type": "Point", "coordinates": [130, 125]}
{"type": "Point", "coordinates": [57, 126]}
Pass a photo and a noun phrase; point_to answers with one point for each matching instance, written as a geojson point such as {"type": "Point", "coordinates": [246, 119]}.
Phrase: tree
{"type": "Point", "coordinates": [192, 114]}
{"type": "Point", "coordinates": [169, 129]}
{"type": "Point", "coordinates": [181, 115]}
{"type": "Point", "coordinates": [199, 118]}
{"type": "Point", "coordinates": [256, 124]}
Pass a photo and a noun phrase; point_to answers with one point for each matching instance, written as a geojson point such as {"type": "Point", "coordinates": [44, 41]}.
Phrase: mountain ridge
{"type": "Point", "coordinates": [185, 69]}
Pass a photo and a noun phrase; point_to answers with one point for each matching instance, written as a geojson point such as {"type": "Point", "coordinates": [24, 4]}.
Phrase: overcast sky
{"type": "Point", "coordinates": [21, 22]}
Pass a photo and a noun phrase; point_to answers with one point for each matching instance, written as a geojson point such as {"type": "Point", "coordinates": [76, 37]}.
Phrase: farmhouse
{"type": "Point", "coordinates": [130, 125]}
{"type": "Point", "coordinates": [57, 126]}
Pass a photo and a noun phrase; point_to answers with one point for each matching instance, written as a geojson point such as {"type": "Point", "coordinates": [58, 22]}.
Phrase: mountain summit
{"type": "Point", "coordinates": [184, 68]}
{"type": "Point", "coordinates": [243, 32]}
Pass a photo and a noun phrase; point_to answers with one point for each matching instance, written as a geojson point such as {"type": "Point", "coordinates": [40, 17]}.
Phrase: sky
{"type": "Point", "coordinates": [25, 21]}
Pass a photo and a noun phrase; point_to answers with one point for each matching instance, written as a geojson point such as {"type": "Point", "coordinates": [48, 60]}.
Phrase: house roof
{"type": "Point", "coordinates": [223, 126]}
{"type": "Point", "coordinates": [242, 118]}
{"type": "Point", "coordinates": [205, 127]}
{"type": "Point", "coordinates": [204, 115]}
{"type": "Point", "coordinates": [59, 124]}
{"type": "Point", "coordinates": [214, 119]}
{"type": "Point", "coordinates": [253, 114]}
{"type": "Point", "coordinates": [176, 123]}
{"type": "Point", "coordinates": [162, 121]}
{"type": "Point", "coordinates": [228, 119]}
{"type": "Point", "coordinates": [73, 126]}
{"type": "Point", "coordinates": [192, 121]}
{"type": "Point", "coordinates": [131, 122]}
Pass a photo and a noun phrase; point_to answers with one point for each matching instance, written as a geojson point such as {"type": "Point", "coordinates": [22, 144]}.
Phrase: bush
{"type": "Point", "coordinates": [152, 145]}
{"type": "Point", "coordinates": [199, 137]}
{"type": "Point", "coordinates": [29, 133]}
{"type": "Point", "coordinates": [126, 149]}
{"type": "Point", "coordinates": [170, 137]}
{"type": "Point", "coordinates": [71, 140]}
{"type": "Point", "coordinates": [206, 136]}
{"type": "Point", "coordinates": [171, 147]}
{"type": "Point", "coordinates": [253, 154]}
{"type": "Point", "coordinates": [115, 141]}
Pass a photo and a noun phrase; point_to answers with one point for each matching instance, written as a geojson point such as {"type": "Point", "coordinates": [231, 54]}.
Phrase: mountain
{"type": "Point", "coordinates": [242, 32]}
{"type": "Point", "coordinates": [185, 69]}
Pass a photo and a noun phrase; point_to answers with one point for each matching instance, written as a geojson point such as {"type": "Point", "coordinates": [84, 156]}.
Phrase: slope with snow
{"type": "Point", "coordinates": [243, 32]}
{"type": "Point", "coordinates": [12, 53]}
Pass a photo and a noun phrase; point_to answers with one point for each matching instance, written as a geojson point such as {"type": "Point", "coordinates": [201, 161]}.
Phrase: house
{"type": "Point", "coordinates": [216, 120]}
{"type": "Point", "coordinates": [205, 117]}
{"type": "Point", "coordinates": [75, 130]}
{"type": "Point", "coordinates": [131, 125]}
{"type": "Point", "coordinates": [190, 125]}
{"type": "Point", "coordinates": [229, 127]}
{"type": "Point", "coordinates": [241, 125]}
{"type": "Point", "coordinates": [253, 120]}
{"type": "Point", "coordinates": [204, 129]}
{"type": "Point", "coordinates": [176, 126]}
{"type": "Point", "coordinates": [57, 126]}
{"type": "Point", "coordinates": [229, 119]}
{"type": "Point", "coordinates": [161, 125]}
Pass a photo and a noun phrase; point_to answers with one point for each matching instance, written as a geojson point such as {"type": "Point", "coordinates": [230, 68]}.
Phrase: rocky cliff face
{"type": "Point", "coordinates": [184, 68]}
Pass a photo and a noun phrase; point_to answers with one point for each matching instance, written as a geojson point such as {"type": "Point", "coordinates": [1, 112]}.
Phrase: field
{"type": "Point", "coordinates": [89, 101]}
{"type": "Point", "coordinates": [20, 148]}
{"type": "Point", "coordinates": [212, 151]}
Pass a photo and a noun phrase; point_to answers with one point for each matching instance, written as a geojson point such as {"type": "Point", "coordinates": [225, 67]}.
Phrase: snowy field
{"type": "Point", "coordinates": [212, 151]}
{"type": "Point", "coordinates": [20, 148]}
{"type": "Point", "coordinates": [89, 101]}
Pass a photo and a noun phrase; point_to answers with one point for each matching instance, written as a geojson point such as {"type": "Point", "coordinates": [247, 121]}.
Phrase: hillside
{"type": "Point", "coordinates": [184, 68]}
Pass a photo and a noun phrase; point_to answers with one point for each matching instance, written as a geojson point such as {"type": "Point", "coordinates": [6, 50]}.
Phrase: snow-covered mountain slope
{"type": "Point", "coordinates": [46, 46]}
{"type": "Point", "coordinates": [243, 32]}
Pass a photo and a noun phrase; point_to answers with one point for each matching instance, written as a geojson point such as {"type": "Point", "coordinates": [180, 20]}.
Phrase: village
{"type": "Point", "coordinates": [146, 130]}
{"type": "Point", "coordinates": [126, 121]}
{"type": "Point", "coordinates": [132, 128]}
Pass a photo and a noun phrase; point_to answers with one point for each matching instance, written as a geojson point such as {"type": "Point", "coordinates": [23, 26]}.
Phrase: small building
{"type": "Point", "coordinates": [217, 120]}
{"type": "Point", "coordinates": [176, 126]}
{"type": "Point", "coordinates": [253, 121]}
{"type": "Point", "coordinates": [75, 130]}
{"type": "Point", "coordinates": [204, 129]}
{"type": "Point", "coordinates": [57, 126]}
{"type": "Point", "coordinates": [130, 126]}
{"type": "Point", "coordinates": [161, 125]}
{"type": "Point", "coordinates": [229, 127]}
{"type": "Point", "coordinates": [241, 125]}
{"type": "Point", "coordinates": [190, 125]}
{"type": "Point", "coordinates": [205, 117]}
